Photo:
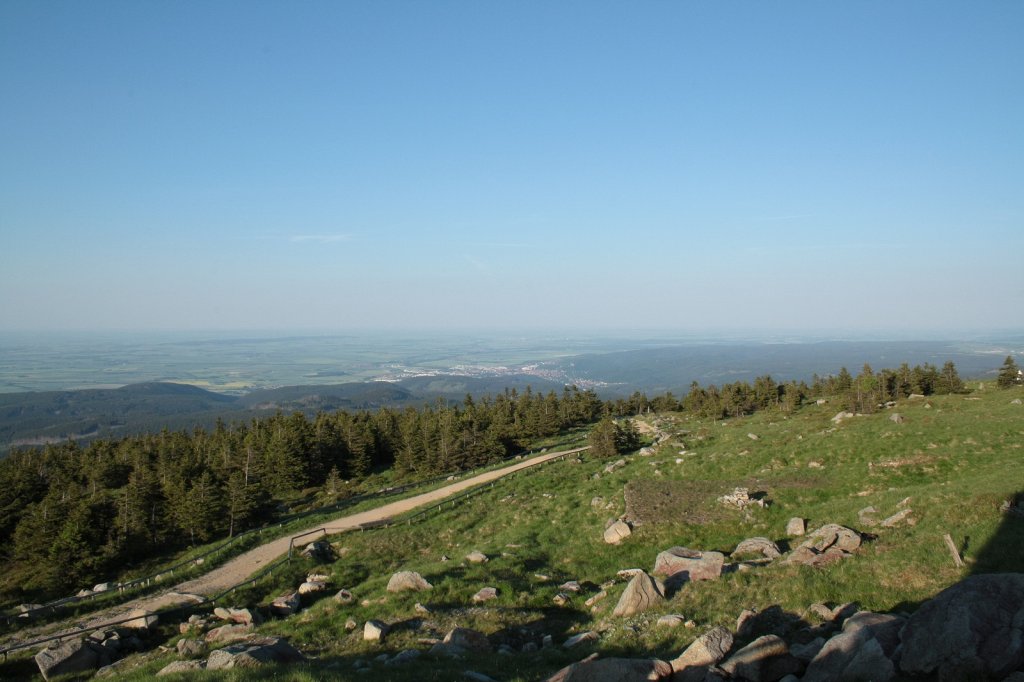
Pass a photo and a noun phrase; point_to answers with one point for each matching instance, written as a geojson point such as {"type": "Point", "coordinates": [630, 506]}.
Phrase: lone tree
{"type": "Point", "coordinates": [609, 438]}
{"type": "Point", "coordinates": [1009, 373]}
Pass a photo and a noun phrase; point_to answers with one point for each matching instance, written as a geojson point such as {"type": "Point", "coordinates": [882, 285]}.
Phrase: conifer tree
{"type": "Point", "coordinates": [1009, 373]}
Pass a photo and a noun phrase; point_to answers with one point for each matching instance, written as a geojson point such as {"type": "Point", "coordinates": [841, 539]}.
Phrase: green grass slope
{"type": "Point", "coordinates": [956, 458]}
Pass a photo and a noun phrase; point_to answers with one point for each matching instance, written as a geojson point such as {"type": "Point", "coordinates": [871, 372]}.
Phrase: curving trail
{"type": "Point", "coordinates": [238, 569]}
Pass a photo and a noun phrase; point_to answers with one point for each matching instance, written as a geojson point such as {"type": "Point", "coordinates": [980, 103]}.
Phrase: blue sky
{"type": "Point", "coordinates": [344, 165]}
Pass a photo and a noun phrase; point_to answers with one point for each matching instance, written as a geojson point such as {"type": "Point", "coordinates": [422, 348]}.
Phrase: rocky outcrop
{"type": "Point", "coordinates": [408, 581]}
{"type": "Point", "coordinates": [972, 630]}
{"type": "Point", "coordinates": [640, 594]}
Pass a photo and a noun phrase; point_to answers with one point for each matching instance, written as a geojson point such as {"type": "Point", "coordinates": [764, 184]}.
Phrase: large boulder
{"type": "Point", "coordinates": [72, 656]}
{"type": "Point", "coordinates": [253, 653]}
{"type": "Point", "coordinates": [408, 581]}
{"type": "Point", "coordinates": [766, 659]}
{"type": "Point", "coordinates": [705, 651]}
{"type": "Point", "coordinates": [862, 651]}
{"type": "Point", "coordinates": [614, 670]}
{"type": "Point", "coordinates": [681, 563]}
{"type": "Point", "coordinates": [972, 630]}
{"type": "Point", "coordinates": [640, 594]}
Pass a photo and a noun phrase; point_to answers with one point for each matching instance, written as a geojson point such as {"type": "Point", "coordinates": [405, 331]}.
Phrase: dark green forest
{"type": "Point", "coordinates": [71, 515]}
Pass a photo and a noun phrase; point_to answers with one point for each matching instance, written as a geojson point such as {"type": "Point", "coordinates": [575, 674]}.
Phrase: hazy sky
{"type": "Point", "coordinates": [292, 165]}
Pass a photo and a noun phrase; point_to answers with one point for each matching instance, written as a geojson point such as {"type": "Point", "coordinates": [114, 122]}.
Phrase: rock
{"type": "Point", "coordinates": [971, 630]}
{"type": "Point", "coordinates": [241, 616]}
{"type": "Point", "coordinates": [628, 573]}
{"type": "Point", "coordinates": [141, 620]}
{"type": "Point", "coordinates": [771, 621]}
{"type": "Point", "coordinates": [1016, 401]}
{"type": "Point", "coordinates": [476, 557]}
{"type": "Point", "coordinates": [692, 564]}
{"type": "Point", "coordinates": [318, 550]}
{"type": "Point", "coordinates": [836, 614]}
{"type": "Point", "coordinates": [191, 648]}
{"type": "Point", "coordinates": [862, 651]}
{"type": "Point", "coordinates": [762, 546]}
{"type": "Point", "coordinates": [705, 651]}
{"type": "Point", "coordinates": [764, 660]}
{"type": "Point", "coordinates": [614, 465]}
{"type": "Point", "coordinates": [671, 621]}
{"type": "Point", "coordinates": [470, 640]}
{"type": "Point", "coordinates": [422, 609]}
{"type": "Point", "coordinates": [286, 604]}
{"type": "Point", "coordinates": [71, 656]}
{"type": "Point", "coordinates": [595, 598]}
{"type": "Point", "coordinates": [840, 416]}
{"type": "Point", "coordinates": [896, 418]}
{"type": "Point", "coordinates": [897, 518]}
{"type": "Point", "coordinates": [178, 667]}
{"type": "Point", "coordinates": [741, 499]}
{"type": "Point", "coordinates": [825, 545]}
{"type": "Point", "coordinates": [228, 633]}
{"type": "Point", "coordinates": [795, 527]}
{"type": "Point", "coordinates": [310, 587]}
{"type": "Point", "coordinates": [807, 652]}
{"type": "Point", "coordinates": [404, 656]}
{"type": "Point", "coordinates": [617, 532]}
{"type": "Point", "coordinates": [640, 594]}
{"type": "Point", "coordinates": [351, 624]}
{"type": "Point", "coordinates": [570, 586]}
{"type": "Point", "coordinates": [374, 630]}
{"type": "Point", "coordinates": [614, 670]}
{"type": "Point", "coordinates": [344, 597]}
{"type": "Point", "coordinates": [561, 599]}
{"type": "Point", "coordinates": [477, 677]}
{"type": "Point", "coordinates": [485, 594]}
{"type": "Point", "coordinates": [102, 587]}
{"type": "Point", "coordinates": [407, 580]}
{"type": "Point", "coordinates": [753, 436]}
{"type": "Point", "coordinates": [581, 638]}
{"type": "Point", "coordinates": [254, 652]}
{"type": "Point", "coordinates": [866, 516]}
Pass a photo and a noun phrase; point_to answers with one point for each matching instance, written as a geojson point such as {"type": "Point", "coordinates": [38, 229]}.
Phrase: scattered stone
{"type": "Point", "coordinates": [547, 641]}
{"type": "Point", "coordinates": [344, 597]}
{"type": "Point", "coordinates": [581, 638]}
{"type": "Point", "coordinates": [617, 532]}
{"type": "Point", "coordinates": [1016, 401]}
{"type": "Point", "coordinates": [596, 598]}
{"type": "Point", "coordinates": [614, 465]}
{"type": "Point", "coordinates": [570, 586]}
{"type": "Point", "coordinates": [971, 630]}
{"type": "Point", "coordinates": [628, 573]}
{"type": "Point", "coordinates": [191, 648]}
{"type": "Point", "coordinates": [318, 550]}
{"type": "Point", "coordinates": [766, 658]}
{"type": "Point", "coordinates": [70, 656]}
{"type": "Point", "coordinates": [614, 670]}
{"type": "Point", "coordinates": [310, 587]}
{"type": "Point", "coordinates": [407, 580]}
{"type": "Point", "coordinates": [404, 656]}
{"type": "Point", "coordinates": [826, 545]}
{"type": "Point", "coordinates": [896, 418]}
{"type": "Point", "coordinates": [467, 639]}
{"type": "Point", "coordinates": [897, 518]}
{"type": "Point", "coordinates": [561, 599]}
{"type": "Point", "coordinates": [286, 604]}
{"type": "Point", "coordinates": [866, 516]}
{"type": "Point", "coordinates": [541, 577]}
{"type": "Point", "coordinates": [476, 557]}
{"type": "Point", "coordinates": [762, 546]}
{"type": "Point", "coordinates": [640, 594]}
{"type": "Point", "coordinates": [241, 616]}
{"type": "Point", "coordinates": [671, 621]}
{"type": "Point", "coordinates": [705, 651]}
{"type": "Point", "coordinates": [530, 647]}
{"type": "Point", "coordinates": [445, 557]}
{"type": "Point", "coordinates": [141, 620]}
{"type": "Point", "coordinates": [741, 499]}
{"type": "Point", "coordinates": [807, 652]}
{"type": "Point", "coordinates": [253, 653]}
{"type": "Point", "coordinates": [351, 624]}
{"type": "Point", "coordinates": [374, 630]}
{"type": "Point", "coordinates": [421, 609]}
{"type": "Point", "coordinates": [485, 594]}
{"type": "Point", "coordinates": [692, 564]}
{"type": "Point", "coordinates": [753, 436]}
{"type": "Point", "coordinates": [770, 621]}
{"type": "Point", "coordinates": [178, 667]}
{"type": "Point", "coordinates": [228, 633]}
{"type": "Point", "coordinates": [795, 527]}
{"type": "Point", "coordinates": [841, 416]}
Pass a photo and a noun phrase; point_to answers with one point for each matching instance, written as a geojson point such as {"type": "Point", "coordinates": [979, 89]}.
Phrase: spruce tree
{"type": "Point", "coordinates": [1009, 373]}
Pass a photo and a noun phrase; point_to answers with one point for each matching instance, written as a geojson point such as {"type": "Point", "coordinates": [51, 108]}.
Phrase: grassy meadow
{"type": "Point", "coordinates": [956, 458]}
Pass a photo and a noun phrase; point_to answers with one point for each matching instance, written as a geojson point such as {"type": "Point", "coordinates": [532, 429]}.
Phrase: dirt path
{"type": "Point", "coordinates": [238, 569]}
